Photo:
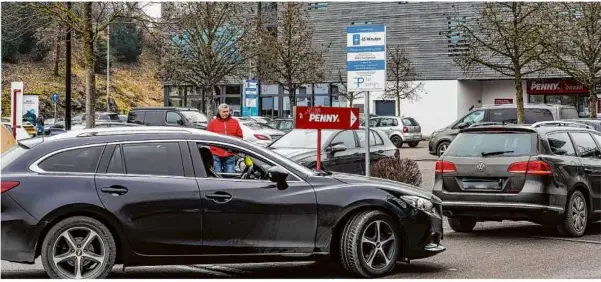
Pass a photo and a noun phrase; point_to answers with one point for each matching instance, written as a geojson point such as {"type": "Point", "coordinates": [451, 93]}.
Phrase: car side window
{"type": "Point", "coordinates": [598, 138]}
{"type": "Point", "coordinates": [136, 117]}
{"type": "Point", "coordinates": [154, 118]}
{"type": "Point", "coordinates": [374, 122]}
{"type": "Point", "coordinates": [537, 115]}
{"type": "Point", "coordinates": [116, 162]}
{"type": "Point", "coordinates": [508, 115]}
{"type": "Point", "coordinates": [374, 138]}
{"type": "Point", "coordinates": [585, 145]}
{"type": "Point", "coordinates": [386, 122]}
{"type": "Point", "coordinates": [83, 160]}
{"type": "Point", "coordinates": [173, 118]}
{"type": "Point", "coordinates": [473, 118]}
{"type": "Point", "coordinates": [561, 144]}
{"type": "Point", "coordinates": [346, 137]}
{"type": "Point", "coordinates": [153, 159]}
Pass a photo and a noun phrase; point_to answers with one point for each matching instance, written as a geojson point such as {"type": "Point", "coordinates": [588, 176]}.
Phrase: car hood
{"type": "Point", "coordinates": [295, 154]}
{"type": "Point", "coordinates": [394, 186]}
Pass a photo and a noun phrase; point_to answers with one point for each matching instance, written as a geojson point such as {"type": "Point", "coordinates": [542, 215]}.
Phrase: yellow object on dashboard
{"type": "Point", "coordinates": [248, 161]}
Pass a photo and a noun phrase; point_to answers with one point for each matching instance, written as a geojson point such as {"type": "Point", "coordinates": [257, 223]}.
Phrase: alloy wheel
{"type": "Point", "coordinates": [579, 214]}
{"type": "Point", "coordinates": [378, 245]}
{"type": "Point", "coordinates": [442, 148]}
{"type": "Point", "coordinates": [79, 252]}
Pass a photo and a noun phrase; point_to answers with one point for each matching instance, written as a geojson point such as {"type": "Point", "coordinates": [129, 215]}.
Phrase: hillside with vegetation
{"type": "Point", "coordinates": [35, 55]}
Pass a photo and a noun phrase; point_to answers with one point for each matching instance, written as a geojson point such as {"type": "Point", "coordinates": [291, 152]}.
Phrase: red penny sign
{"type": "Point", "coordinates": [327, 118]}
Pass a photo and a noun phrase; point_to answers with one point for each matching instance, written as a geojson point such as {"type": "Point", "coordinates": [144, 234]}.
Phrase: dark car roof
{"type": "Point", "coordinates": [542, 130]}
{"type": "Point", "coordinates": [163, 109]}
{"type": "Point", "coordinates": [539, 106]}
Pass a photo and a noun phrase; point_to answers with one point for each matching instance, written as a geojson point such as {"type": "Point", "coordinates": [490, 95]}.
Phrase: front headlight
{"type": "Point", "coordinates": [419, 203]}
{"type": "Point", "coordinates": [434, 134]}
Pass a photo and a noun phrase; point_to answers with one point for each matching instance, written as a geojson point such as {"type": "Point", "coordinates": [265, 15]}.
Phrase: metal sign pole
{"type": "Point", "coordinates": [55, 113]}
{"type": "Point", "coordinates": [367, 134]}
{"type": "Point", "coordinates": [318, 166]}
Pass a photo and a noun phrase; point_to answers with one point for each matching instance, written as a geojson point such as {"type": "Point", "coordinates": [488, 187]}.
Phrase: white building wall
{"type": "Point", "coordinates": [500, 89]}
{"type": "Point", "coordinates": [469, 94]}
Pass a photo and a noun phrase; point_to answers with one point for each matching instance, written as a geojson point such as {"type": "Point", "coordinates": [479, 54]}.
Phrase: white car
{"type": "Point", "coordinates": [259, 133]}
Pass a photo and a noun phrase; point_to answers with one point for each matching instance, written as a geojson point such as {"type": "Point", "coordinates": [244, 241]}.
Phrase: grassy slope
{"type": "Point", "coordinates": [131, 84]}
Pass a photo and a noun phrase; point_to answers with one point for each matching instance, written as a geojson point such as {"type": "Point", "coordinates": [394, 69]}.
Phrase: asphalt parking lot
{"type": "Point", "coordinates": [496, 250]}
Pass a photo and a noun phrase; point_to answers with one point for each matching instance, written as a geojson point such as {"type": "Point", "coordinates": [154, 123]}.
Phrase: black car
{"type": "Point", "coordinates": [505, 114]}
{"type": "Point", "coordinates": [168, 116]}
{"type": "Point", "coordinates": [595, 123]}
{"type": "Point", "coordinates": [548, 175]}
{"type": "Point", "coordinates": [342, 150]}
{"type": "Point", "coordinates": [87, 200]}
{"type": "Point", "coordinates": [282, 124]}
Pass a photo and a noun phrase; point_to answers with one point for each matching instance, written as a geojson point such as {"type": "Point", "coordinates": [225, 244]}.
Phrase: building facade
{"type": "Point", "coordinates": [422, 29]}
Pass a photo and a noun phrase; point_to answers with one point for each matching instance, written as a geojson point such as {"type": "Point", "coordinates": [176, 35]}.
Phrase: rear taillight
{"type": "Point", "coordinates": [261, 137]}
{"type": "Point", "coordinates": [405, 129]}
{"type": "Point", "coordinates": [7, 185]}
{"type": "Point", "coordinates": [530, 168]}
{"type": "Point", "coordinates": [442, 167]}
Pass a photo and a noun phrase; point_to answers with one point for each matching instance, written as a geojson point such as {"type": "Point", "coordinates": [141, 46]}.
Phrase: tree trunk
{"type": "Point", "coordinates": [351, 99]}
{"type": "Point", "coordinates": [292, 95]}
{"type": "Point", "coordinates": [519, 97]}
{"type": "Point", "coordinates": [398, 106]}
{"type": "Point", "coordinates": [209, 100]}
{"type": "Point", "coordinates": [593, 100]}
{"type": "Point", "coordinates": [88, 49]}
{"type": "Point", "coordinates": [57, 56]}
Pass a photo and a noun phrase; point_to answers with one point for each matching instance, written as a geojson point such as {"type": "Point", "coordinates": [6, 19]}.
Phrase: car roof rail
{"type": "Point", "coordinates": [561, 124]}
{"type": "Point", "coordinates": [480, 124]}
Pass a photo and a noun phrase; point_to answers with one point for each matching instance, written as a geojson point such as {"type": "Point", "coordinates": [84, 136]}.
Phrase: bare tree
{"type": "Point", "coordinates": [88, 20]}
{"type": "Point", "coordinates": [350, 96]}
{"type": "Point", "coordinates": [575, 47]}
{"type": "Point", "coordinates": [289, 58]}
{"type": "Point", "coordinates": [207, 43]}
{"type": "Point", "coordinates": [401, 76]}
{"type": "Point", "coordinates": [506, 37]}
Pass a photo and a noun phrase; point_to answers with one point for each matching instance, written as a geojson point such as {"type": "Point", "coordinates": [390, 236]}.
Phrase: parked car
{"type": "Point", "coordinates": [123, 118]}
{"type": "Point", "coordinates": [259, 133]}
{"type": "Point", "coordinates": [595, 123]}
{"type": "Point", "coordinates": [342, 150]}
{"type": "Point", "coordinates": [282, 124]}
{"type": "Point", "coordinates": [363, 118]}
{"type": "Point", "coordinates": [102, 116]}
{"type": "Point", "coordinates": [400, 130]}
{"type": "Point", "coordinates": [263, 120]}
{"type": "Point", "coordinates": [168, 116]}
{"type": "Point", "coordinates": [441, 138]}
{"type": "Point", "coordinates": [148, 196]}
{"type": "Point", "coordinates": [545, 174]}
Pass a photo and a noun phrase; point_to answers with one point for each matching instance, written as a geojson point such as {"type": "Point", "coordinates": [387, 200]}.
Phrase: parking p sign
{"type": "Point", "coordinates": [366, 58]}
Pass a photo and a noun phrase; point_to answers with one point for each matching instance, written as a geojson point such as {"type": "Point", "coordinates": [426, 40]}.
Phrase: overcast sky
{"type": "Point", "coordinates": [153, 10]}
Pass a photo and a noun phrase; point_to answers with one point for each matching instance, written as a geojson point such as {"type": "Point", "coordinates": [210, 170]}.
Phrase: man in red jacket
{"type": "Point", "coordinates": [224, 124]}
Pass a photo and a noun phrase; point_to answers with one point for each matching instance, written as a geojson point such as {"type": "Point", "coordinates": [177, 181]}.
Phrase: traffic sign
{"type": "Point", "coordinates": [366, 58]}
{"type": "Point", "coordinates": [55, 98]}
{"type": "Point", "coordinates": [251, 92]}
{"type": "Point", "coordinates": [327, 118]}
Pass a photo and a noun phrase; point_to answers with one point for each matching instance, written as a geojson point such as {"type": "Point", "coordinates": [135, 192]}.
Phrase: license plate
{"type": "Point", "coordinates": [481, 185]}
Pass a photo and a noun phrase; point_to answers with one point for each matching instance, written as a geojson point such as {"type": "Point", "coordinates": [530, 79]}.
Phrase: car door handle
{"type": "Point", "coordinates": [220, 197]}
{"type": "Point", "coordinates": [114, 190]}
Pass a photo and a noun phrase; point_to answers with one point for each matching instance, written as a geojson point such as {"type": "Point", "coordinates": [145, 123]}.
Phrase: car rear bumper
{"type": "Point", "coordinates": [18, 229]}
{"type": "Point", "coordinates": [412, 137]}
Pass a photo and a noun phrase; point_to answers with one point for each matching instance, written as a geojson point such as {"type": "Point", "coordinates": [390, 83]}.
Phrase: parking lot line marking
{"type": "Point", "coordinates": [568, 239]}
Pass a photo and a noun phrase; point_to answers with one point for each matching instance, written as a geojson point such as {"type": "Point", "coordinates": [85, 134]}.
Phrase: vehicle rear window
{"type": "Point", "coordinates": [491, 144]}
{"type": "Point", "coordinates": [537, 115]}
{"type": "Point", "coordinates": [568, 113]}
{"type": "Point", "coordinates": [77, 160]}
{"type": "Point", "coordinates": [410, 122]}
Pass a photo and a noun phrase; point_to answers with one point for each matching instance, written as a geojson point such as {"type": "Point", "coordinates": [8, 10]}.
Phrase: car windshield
{"type": "Point", "coordinates": [488, 144]}
{"type": "Point", "coordinates": [194, 116]}
{"type": "Point", "coordinates": [302, 139]}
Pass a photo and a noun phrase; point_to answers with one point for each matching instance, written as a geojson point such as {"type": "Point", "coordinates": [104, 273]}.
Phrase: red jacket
{"type": "Point", "coordinates": [227, 126]}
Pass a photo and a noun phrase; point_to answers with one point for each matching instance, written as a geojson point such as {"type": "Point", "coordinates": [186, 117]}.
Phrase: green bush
{"type": "Point", "coordinates": [126, 42]}
{"type": "Point", "coordinates": [398, 169]}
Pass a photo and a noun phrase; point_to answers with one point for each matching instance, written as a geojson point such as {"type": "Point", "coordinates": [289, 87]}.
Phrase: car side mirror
{"type": "Point", "coordinates": [278, 175]}
{"type": "Point", "coordinates": [180, 122]}
{"type": "Point", "coordinates": [462, 125]}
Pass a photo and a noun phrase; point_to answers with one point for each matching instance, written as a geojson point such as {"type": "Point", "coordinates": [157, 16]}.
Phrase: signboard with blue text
{"type": "Point", "coordinates": [366, 57]}
{"type": "Point", "coordinates": [250, 103]}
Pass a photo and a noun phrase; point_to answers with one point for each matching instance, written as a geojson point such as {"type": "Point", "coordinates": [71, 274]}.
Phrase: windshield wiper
{"type": "Point", "coordinates": [494, 153]}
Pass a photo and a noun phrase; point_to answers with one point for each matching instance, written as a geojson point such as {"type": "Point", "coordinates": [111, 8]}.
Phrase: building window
{"type": "Point", "coordinates": [233, 89]}
{"type": "Point", "coordinates": [318, 6]}
{"type": "Point", "coordinates": [457, 40]}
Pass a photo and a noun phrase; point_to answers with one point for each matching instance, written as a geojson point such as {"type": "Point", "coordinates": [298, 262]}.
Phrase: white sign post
{"type": "Point", "coordinates": [16, 105]}
{"type": "Point", "coordinates": [366, 67]}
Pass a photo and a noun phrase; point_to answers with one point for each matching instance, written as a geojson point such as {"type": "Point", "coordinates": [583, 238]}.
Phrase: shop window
{"type": "Point", "coordinates": [233, 89]}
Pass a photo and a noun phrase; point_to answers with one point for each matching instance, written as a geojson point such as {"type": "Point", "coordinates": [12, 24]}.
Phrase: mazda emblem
{"type": "Point", "coordinates": [480, 167]}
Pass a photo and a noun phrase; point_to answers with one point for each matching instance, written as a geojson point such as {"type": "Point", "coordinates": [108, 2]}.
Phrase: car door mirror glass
{"type": "Point", "coordinates": [338, 148]}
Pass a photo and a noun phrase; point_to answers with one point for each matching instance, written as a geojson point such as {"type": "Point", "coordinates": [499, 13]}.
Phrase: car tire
{"type": "Point", "coordinates": [442, 147]}
{"type": "Point", "coordinates": [575, 216]}
{"type": "Point", "coordinates": [462, 224]}
{"type": "Point", "coordinates": [397, 141]}
{"type": "Point", "coordinates": [93, 248]}
{"type": "Point", "coordinates": [413, 144]}
{"type": "Point", "coordinates": [361, 248]}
